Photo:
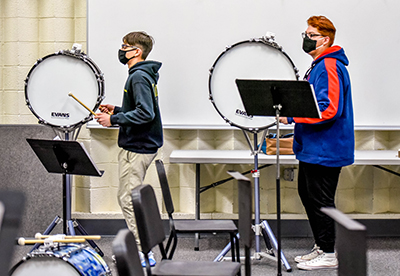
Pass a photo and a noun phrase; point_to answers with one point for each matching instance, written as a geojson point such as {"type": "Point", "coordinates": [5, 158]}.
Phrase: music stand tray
{"type": "Point", "coordinates": [297, 98]}
{"type": "Point", "coordinates": [59, 156]}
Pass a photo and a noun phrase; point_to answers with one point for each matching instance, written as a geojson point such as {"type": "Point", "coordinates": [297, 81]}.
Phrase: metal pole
{"type": "Point", "coordinates": [68, 225]}
{"type": "Point", "coordinates": [256, 176]}
{"type": "Point", "coordinates": [278, 193]}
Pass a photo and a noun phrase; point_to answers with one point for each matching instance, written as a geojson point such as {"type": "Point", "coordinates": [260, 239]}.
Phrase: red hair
{"type": "Point", "coordinates": [324, 26]}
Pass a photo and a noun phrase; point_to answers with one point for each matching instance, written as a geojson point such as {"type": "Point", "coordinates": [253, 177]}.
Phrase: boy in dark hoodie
{"type": "Point", "coordinates": [140, 128]}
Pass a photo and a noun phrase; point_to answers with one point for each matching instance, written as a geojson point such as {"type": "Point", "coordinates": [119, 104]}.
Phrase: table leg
{"type": "Point", "coordinates": [197, 208]}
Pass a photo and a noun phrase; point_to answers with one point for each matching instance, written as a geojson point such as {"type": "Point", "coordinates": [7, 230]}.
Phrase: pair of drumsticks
{"type": "Point", "coordinates": [76, 99]}
{"type": "Point", "coordinates": [39, 238]}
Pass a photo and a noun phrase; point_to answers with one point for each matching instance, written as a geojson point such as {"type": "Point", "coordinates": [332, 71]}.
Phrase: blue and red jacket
{"type": "Point", "coordinates": [328, 141]}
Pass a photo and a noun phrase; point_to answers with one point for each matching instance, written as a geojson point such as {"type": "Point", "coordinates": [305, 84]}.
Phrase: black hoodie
{"type": "Point", "coordinates": [139, 116]}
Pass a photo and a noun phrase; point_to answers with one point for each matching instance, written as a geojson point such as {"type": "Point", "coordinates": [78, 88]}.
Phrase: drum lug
{"type": "Point", "coordinates": [76, 49]}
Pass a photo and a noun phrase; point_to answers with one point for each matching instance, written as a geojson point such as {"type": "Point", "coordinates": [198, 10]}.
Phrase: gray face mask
{"type": "Point", "coordinates": [122, 56]}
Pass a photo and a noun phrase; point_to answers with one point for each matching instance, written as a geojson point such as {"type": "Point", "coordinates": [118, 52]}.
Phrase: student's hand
{"type": "Point", "coordinates": [283, 120]}
{"type": "Point", "coordinates": [103, 119]}
{"type": "Point", "coordinates": [107, 108]}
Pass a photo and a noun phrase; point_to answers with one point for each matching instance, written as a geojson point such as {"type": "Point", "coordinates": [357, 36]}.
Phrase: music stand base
{"type": "Point", "coordinates": [270, 252]}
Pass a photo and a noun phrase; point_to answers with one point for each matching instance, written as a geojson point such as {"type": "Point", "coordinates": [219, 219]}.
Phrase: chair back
{"type": "Point", "coordinates": [10, 220]}
{"type": "Point", "coordinates": [150, 226]}
{"type": "Point", "coordinates": [245, 216]}
{"type": "Point", "coordinates": [126, 254]}
{"type": "Point", "coordinates": [351, 243]}
{"type": "Point", "coordinates": [162, 176]}
{"type": "Point", "coordinates": [245, 212]}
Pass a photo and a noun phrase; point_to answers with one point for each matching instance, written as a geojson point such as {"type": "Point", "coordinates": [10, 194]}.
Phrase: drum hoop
{"type": "Point", "coordinates": [62, 258]}
{"type": "Point", "coordinates": [96, 71]}
{"type": "Point", "coordinates": [262, 40]}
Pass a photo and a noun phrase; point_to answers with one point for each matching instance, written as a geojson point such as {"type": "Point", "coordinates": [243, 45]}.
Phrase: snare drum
{"type": "Point", "coordinates": [65, 260]}
{"type": "Point", "coordinates": [51, 79]}
{"type": "Point", "coordinates": [252, 59]}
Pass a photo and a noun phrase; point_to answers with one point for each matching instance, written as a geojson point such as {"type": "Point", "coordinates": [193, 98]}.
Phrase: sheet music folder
{"type": "Point", "coordinates": [297, 98]}
{"type": "Point", "coordinates": [68, 157]}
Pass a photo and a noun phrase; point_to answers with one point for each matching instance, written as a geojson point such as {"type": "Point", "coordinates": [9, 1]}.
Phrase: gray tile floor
{"type": "Point", "coordinates": [383, 254]}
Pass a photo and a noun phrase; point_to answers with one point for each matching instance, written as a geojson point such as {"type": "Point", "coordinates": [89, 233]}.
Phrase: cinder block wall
{"type": "Point", "coordinates": [31, 29]}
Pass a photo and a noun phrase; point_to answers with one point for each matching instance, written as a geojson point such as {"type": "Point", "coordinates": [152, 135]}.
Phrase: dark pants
{"type": "Point", "coordinates": [317, 187]}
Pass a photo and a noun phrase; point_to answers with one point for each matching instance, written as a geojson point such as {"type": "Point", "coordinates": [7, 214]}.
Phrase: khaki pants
{"type": "Point", "coordinates": [132, 170]}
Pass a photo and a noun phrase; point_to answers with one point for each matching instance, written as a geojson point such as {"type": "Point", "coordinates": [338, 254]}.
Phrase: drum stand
{"type": "Point", "coordinates": [260, 228]}
{"type": "Point", "coordinates": [65, 157]}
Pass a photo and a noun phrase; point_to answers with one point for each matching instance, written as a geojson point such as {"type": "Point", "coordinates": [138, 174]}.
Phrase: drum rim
{"type": "Point", "coordinates": [53, 256]}
{"type": "Point", "coordinates": [262, 40]}
{"type": "Point", "coordinates": [95, 70]}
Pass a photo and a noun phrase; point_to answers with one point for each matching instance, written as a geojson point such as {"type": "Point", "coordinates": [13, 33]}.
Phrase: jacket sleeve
{"type": "Point", "coordinates": [143, 111]}
{"type": "Point", "coordinates": [327, 87]}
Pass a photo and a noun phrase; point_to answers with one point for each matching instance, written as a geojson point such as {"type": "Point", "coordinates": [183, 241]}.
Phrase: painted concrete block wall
{"type": "Point", "coordinates": [31, 29]}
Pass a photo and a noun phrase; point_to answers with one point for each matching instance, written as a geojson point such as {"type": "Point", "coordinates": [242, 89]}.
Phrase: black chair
{"type": "Point", "coordinates": [191, 226]}
{"type": "Point", "coordinates": [245, 216]}
{"type": "Point", "coordinates": [351, 243]}
{"type": "Point", "coordinates": [151, 233]}
{"type": "Point", "coordinates": [126, 254]}
{"type": "Point", "coordinates": [12, 206]}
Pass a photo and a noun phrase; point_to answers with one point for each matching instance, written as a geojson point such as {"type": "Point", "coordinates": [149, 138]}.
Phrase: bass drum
{"type": "Point", "coordinates": [50, 81]}
{"type": "Point", "coordinates": [66, 260]}
{"type": "Point", "coordinates": [252, 59]}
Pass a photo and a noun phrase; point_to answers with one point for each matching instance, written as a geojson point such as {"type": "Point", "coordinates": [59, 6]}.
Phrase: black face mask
{"type": "Point", "coordinates": [309, 44]}
{"type": "Point", "coordinates": [122, 56]}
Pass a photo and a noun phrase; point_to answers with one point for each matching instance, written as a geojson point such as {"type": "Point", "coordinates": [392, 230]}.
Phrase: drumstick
{"type": "Point", "coordinates": [95, 237]}
{"type": "Point", "coordinates": [75, 98]}
{"type": "Point", "coordinates": [23, 241]}
{"type": "Point", "coordinates": [91, 111]}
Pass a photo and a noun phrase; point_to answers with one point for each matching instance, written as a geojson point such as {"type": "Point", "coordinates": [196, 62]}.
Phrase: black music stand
{"type": "Point", "coordinates": [66, 158]}
{"type": "Point", "coordinates": [288, 98]}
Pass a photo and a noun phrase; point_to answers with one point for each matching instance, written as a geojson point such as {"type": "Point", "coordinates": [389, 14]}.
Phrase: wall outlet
{"type": "Point", "coordinates": [289, 174]}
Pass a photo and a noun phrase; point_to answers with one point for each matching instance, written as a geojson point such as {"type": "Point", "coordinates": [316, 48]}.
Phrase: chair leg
{"type": "Point", "coordinates": [174, 244]}
{"type": "Point", "coordinates": [237, 248]}
{"type": "Point", "coordinates": [247, 261]}
{"type": "Point", "coordinates": [148, 268]}
{"type": "Point", "coordinates": [167, 246]}
{"type": "Point", "coordinates": [232, 247]}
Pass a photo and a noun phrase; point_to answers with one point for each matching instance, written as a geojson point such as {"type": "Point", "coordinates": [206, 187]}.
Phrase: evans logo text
{"type": "Point", "coordinates": [243, 114]}
{"type": "Point", "coordinates": [60, 115]}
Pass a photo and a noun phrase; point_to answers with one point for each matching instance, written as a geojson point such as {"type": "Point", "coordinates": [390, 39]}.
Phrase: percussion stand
{"type": "Point", "coordinates": [65, 157]}
{"type": "Point", "coordinates": [260, 228]}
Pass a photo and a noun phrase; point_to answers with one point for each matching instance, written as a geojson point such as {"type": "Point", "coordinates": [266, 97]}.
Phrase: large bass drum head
{"type": "Point", "coordinates": [246, 60]}
{"type": "Point", "coordinates": [50, 81]}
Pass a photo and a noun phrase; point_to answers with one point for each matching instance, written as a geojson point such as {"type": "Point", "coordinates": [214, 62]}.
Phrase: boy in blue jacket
{"type": "Point", "coordinates": [323, 146]}
{"type": "Point", "coordinates": [140, 128]}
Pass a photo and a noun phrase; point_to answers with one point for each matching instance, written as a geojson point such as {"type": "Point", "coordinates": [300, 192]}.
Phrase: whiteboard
{"type": "Point", "coordinates": [191, 34]}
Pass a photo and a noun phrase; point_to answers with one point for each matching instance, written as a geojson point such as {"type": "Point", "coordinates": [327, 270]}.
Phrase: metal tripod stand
{"type": "Point", "coordinates": [260, 228]}
{"type": "Point", "coordinates": [65, 157]}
